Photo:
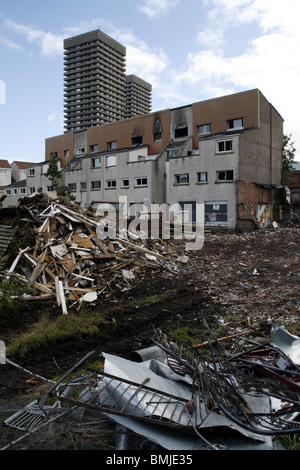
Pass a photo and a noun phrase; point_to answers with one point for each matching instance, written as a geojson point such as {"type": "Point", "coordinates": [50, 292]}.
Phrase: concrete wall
{"type": "Point", "coordinates": [210, 191]}
{"type": "Point", "coordinates": [261, 148]}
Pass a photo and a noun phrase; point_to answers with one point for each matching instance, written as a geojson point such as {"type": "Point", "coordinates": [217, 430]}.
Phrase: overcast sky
{"type": "Point", "coordinates": [189, 50]}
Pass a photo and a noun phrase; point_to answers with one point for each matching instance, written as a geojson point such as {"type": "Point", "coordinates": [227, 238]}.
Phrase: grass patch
{"type": "Point", "coordinates": [48, 332]}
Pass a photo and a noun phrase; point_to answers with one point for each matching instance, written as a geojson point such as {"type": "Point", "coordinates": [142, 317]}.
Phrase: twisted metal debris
{"type": "Point", "coordinates": [188, 391]}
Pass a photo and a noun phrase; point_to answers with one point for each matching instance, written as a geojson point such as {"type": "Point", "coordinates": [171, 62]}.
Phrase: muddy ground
{"type": "Point", "coordinates": [233, 282]}
{"type": "Point", "coordinates": [236, 282]}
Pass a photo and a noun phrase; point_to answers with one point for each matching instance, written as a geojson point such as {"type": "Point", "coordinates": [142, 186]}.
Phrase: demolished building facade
{"type": "Point", "coordinates": [224, 154]}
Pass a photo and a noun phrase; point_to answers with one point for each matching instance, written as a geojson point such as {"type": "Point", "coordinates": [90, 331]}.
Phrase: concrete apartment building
{"type": "Point", "coordinates": [96, 84]}
{"type": "Point", "coordinates": [138, 96]}
{"type": "Point", "coordinates": [224, 154]}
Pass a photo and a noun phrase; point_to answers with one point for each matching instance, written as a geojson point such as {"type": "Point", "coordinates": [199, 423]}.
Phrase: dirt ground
{"type": "Point", "coordinates": [233, 282]}
{"type": "Point", "coordinates": [236, 282]}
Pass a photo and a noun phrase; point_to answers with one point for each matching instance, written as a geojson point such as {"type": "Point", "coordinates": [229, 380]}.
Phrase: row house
{"type": "Point", "coordinates": [223, 154]}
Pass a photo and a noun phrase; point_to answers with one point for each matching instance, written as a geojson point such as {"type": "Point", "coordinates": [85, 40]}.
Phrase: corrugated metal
{"type": "Point", "coordinates": [6, 235]}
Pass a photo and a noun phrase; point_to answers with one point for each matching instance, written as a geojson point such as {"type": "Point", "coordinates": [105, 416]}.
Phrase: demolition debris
{"type": "Point", "coordinates": [178, 397]}
{"type": "Point", "coordinates": [69, 262]}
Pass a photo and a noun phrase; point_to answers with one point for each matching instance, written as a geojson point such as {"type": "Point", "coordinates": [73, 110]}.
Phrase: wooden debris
{"type": "Point", "coordinates": [69, 262]}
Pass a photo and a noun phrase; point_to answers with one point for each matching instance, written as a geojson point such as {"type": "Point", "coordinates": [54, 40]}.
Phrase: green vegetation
{"type": "Point", "coordinates": [11, 295]}
{"type": "Point", "coordinates": [47, 333]}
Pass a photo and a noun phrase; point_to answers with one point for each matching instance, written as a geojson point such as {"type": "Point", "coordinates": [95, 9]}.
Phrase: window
{"type": "Point", "coordinates": [141, 181]}
{"type": "Point", "coordinates": [31, 172]}
{"type": "Point", "coordinates": [83, 186]}
{"type": "Point", "coordinates": [53, 154]}
{"type": "Point", "coordinates": [7, 191]}
{"type": "Point", "coordinates": [23, 190]}
{"type": "Point", "coordinates": [235, 124]}
{"type": "Point", "coordinates": [66, 153]}
{"type": "Point", "coordinates": [95, 185]}
{"type": "Point", "coordinates": [204, 129]}
{"type": "Point", "coordinates": [111, 184]}
{"type": "Point", "coordinates": [94, 148]}
{"type": "Point", "coordinates": [137, 140]}
{"type": "Point", "coordinates": [15, 191]}
{"type": "Point", "coordinates": [182, 179]}
{"type": "Point", "coordinates": [141, 158]}
{"type": "Point", "coordinates": [31, 190]}
{"type": "Point", "coordinates": [72, 186]}
{"type": "Point", "coordinates": [202, 177]}
{"type": "Point", "coordinates": [125, 183]}
{"type": "Point", "coordinates": [80, 150]}
{"type": "Point", "coordinates": [224, 146]}
{"type": "Point", "coordinates": [49, 188]}
{"type": "Point", "coordinates": [96, 162]}
{"type": "Point", "coordinates": [215, 213]}
{"type": "Point", "coordinates": [112, 145]}
{"type": "Point", "coordinates": [181, 132]}
{"type": "Point", "coordinates": [157, 131]}
{"type": "Point", "coordinates": [226, 175]}
{"type": "Point", "coordinates": [172, 153]}
{"type": "Point", "coordinates": [111, 160]}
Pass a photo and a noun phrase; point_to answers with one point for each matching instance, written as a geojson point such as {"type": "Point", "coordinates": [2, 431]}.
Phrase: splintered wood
{"type": "Point", "coordinates": [71, 264]}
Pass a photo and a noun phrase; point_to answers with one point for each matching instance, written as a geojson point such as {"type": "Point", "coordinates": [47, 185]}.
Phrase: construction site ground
{"type": "Point", "coordinates": [236, 282]}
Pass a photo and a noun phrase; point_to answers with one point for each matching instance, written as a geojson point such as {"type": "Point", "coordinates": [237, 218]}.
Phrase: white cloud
{"type": "Point", "coordinates": [10, 44]}
{"type": "Point", "coordinates": [154, 8]}
{"type": "Point", "coordinates": [50, 44]}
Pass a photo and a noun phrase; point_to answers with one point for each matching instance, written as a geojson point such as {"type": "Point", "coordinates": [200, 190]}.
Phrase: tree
{"type": "Point", "coordinates": [288, 155]}
{"type": "Point", "coordinates": [53, 172]}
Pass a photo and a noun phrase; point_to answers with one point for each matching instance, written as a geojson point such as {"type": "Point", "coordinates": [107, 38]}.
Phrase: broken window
{"type": "Point", "coordinates": [226, 175]}
{"type": "Point", "coordinates": [181, 132]}
{"type": "Point", "coordinates": [157, 131]}
{"type": "Point", "coordinates": [202, 177]}
{"type": "Point", "coordinates": [182, 179]}
{"type": "Point", "coordinates": [224, 146]}
{"type": "Point", "coordinates": [137, 140]}
{"type": "Point", "coordinates": [216, 212]}
{"type": "Point", "coordinates": [235, 124]}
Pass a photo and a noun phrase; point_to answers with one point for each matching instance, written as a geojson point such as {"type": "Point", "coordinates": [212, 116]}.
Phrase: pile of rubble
{"type": "Point", "coordinates": [179, 397]}
{"type": "Point", "coordinates": [70, 262]}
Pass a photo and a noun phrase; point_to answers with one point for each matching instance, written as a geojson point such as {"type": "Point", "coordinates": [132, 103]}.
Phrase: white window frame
{"type": "Point", "coordinates": [123, 183]}
{"type": "Point", "coordinates": [235, 124]}
{"type": "Point", "coordinates": [111, 184]}
{"type": "Point", "coordinates": [225, 142]}
{"type": "Point", "coordinates": [141, 181]}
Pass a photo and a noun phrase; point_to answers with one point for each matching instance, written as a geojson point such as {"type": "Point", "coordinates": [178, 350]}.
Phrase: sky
{"type": "Point", "coordinates": [189, 50]}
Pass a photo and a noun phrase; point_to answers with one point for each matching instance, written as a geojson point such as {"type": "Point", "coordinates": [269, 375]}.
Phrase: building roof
{"type": "Point", "coordinates": [22, 165]}
{"type": "Point", "coordinates": [4, 164]}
